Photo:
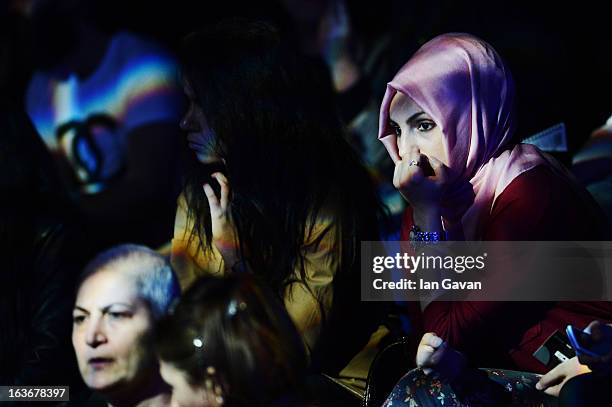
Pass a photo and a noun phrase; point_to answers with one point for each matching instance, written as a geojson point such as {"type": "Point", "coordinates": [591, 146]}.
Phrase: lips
{"type": "Point", "coordinates": [99, 363]}
{"type": "Point", "coordinates": [195, 146]}
{"type": "Point", "coordinates": [194, 138]}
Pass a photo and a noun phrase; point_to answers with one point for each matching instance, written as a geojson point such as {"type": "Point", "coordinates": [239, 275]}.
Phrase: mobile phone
{"type": "Point", "coordinates": [555, 350]}
{"type": "Point", "coordinates": [576, 338]}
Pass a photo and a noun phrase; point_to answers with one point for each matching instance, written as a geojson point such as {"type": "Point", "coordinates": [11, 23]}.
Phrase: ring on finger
{"type": "Point", "coordinates": [413, 162]}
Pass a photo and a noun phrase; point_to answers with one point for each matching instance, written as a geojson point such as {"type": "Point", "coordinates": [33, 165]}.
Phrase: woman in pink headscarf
{"type": "Point", "coordinates": [447, 121]}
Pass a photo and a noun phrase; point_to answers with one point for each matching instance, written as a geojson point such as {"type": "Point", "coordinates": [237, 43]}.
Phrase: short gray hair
{"type": "Point", "coordinates": [155, 280]}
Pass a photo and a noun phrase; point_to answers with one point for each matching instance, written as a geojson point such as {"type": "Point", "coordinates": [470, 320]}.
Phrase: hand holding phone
{"type": "Point", "coordinates": [593, 345]}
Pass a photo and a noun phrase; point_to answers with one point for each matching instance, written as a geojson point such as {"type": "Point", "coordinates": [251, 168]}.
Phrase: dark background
{"type": "Point", "coordinates": [559, 52]}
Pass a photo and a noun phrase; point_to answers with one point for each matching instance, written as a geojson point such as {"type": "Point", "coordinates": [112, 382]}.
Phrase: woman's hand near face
{"type": "Point", "coordinates": [224, 234]}
{"type": "Point", "coordinates": [422, 191]}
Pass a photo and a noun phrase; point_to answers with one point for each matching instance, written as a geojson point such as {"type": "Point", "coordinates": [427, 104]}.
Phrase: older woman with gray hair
{"type": "Point", "coordinates": [122, 293]}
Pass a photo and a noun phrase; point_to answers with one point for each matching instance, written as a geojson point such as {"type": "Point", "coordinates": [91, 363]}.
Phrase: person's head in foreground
{"type": "Point", "coordinates": [122, 293]}
{"type": "Point", "coordinates": [230, 342]}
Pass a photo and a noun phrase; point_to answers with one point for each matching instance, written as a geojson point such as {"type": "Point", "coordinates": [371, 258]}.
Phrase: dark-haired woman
{"type": "Point", "coordinates": [230, 342]}
{"type": "Point", "coordinates": [277, 190]}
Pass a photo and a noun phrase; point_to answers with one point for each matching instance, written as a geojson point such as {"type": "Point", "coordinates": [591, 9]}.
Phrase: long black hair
{"type": "Point", "coordinates": [286, 157]}
{"type": "Point", "coordinates": [285, 153]}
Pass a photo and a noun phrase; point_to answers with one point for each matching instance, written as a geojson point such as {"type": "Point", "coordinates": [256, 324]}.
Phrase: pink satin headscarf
{"type": "Point", "coordinates": [462, 83]}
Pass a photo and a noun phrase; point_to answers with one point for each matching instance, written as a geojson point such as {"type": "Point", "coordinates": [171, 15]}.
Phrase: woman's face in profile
{"type": "Point", "coordinates": [201, 138]}
{"type": "Point", "coordinates": [413, 127]}
{"type": "Point", "coordinates": [111, 333]}
{"type": "Point", "coordinates": [185, 394]}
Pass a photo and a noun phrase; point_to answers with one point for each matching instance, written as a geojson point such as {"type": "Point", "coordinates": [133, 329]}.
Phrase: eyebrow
{"type": "Point", "coordinates": [414, 116]}
{"type": "Point", "coordinates": [130, 306]}
{"type": "Point", "coordinates": [410, 119]}
{"type": "Point", "coordinates": [76, 307]}
{"type": "Point", "coordinates": [106, 308]}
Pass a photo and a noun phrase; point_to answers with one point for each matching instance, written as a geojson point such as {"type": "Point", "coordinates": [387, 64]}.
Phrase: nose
{"type": "Point", "coordinates": [184, 123]}
{"type": "Point", "coordinates": [189, 121]}
{"type": "Point", "coordinates": [96, 333]}
{"type": "Point", "coordinates": [404, 146]}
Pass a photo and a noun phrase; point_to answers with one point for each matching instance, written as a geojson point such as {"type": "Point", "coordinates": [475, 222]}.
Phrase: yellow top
{"type": "Point", "coordinates": [321, 261]}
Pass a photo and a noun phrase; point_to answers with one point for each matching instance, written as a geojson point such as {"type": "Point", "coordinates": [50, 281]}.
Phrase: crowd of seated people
{"type": "Point", "coordinates": [254, 299]}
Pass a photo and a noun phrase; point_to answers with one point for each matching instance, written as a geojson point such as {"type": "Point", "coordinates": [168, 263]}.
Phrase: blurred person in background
{"type": "Point", "coordinates": [353, 43]}
{"type": "Point", "coordinates": [41, 252]}
{"type": "Point", "coordinates": [39, 262]}
{"type": "Point", "coordinates": [592, 165]}
{"type": "Point", "coordinates": [106, 103]}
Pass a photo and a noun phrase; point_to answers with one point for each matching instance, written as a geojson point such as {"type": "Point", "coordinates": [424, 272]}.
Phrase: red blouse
{"type": "Point", "coordinates": [536, 206]}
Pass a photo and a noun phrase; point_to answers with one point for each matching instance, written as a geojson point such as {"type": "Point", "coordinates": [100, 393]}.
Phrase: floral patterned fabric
{"type": "Point", "coordinates": [416, 389]}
